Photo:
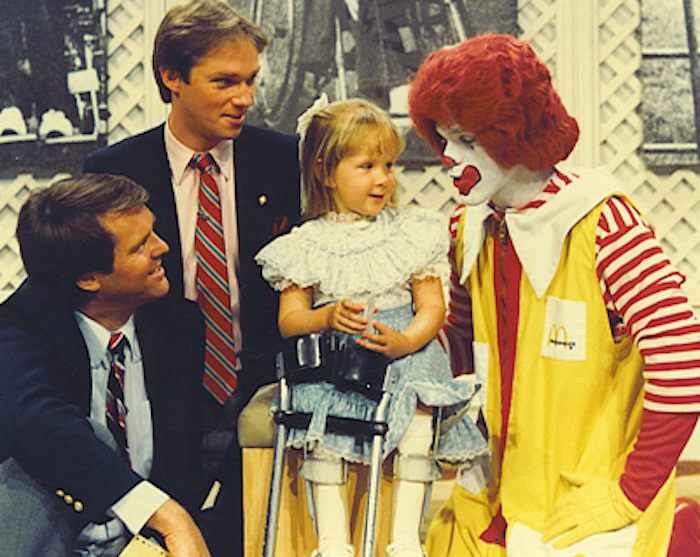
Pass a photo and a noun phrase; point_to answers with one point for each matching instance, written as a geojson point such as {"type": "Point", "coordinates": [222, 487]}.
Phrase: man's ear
{"type": "Point", "coordinates": [171, 79]}
{"type": "Point", "coordinates": [89, 282]}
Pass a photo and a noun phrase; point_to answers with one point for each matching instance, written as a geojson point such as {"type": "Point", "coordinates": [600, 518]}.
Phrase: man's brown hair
{"type": "Point", "coordinates": [190, 30]}
{"type": "Point", "coordinates": [60, 236]}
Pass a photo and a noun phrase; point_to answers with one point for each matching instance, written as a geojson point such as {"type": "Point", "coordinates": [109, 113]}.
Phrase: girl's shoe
{"type": "Point", "coordinates": [395, 550]}
{"type": "Point", "coordinates": [340, 550]}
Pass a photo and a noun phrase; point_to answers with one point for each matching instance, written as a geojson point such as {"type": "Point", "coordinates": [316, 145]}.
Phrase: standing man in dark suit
{"type": "Point", "coordinates": [84, 357]}
{"type": "Point", "coordinates": [205, 60]}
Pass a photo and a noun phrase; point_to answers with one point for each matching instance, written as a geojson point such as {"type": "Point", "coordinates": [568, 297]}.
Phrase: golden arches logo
{"type": "Point", "coordinates": [559, 336]}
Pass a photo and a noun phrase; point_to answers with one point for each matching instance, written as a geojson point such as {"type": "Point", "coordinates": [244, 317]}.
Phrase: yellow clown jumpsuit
{"type": "Point", "coordinates": [575, 406]}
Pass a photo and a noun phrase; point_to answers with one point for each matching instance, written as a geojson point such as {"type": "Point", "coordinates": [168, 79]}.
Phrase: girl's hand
{"type": "Point", "coordinates": [387, 341]}
{"type": "Point", "coordinates": [345, 316]}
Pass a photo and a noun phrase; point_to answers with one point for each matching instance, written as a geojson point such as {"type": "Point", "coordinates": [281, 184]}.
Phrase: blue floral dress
{"type": "Point", "coordinates": [342, 256]}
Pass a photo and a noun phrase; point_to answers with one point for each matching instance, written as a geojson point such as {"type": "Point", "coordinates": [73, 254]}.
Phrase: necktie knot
{"type": "Point", "coordinates": [117, 344]}
{"type": "Point", "coordinates": [204, 162]}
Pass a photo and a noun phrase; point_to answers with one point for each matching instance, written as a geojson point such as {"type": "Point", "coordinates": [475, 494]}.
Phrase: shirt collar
{"type": "Point", "coordinates": [97, 338]}
{"type": "Point", "coordinates": [179, 156]}
{"type": "Point", "coordinates": [538, 233]}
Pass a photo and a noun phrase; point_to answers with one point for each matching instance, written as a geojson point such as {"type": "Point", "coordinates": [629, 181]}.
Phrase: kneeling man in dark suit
{"type": "Point", "coordinates": [99, 388]}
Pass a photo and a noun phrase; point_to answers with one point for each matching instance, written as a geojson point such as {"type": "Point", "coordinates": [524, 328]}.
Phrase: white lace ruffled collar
{"type": "Point", "coordinates": [361, 257]}
{"type": "Point", "coordinates": [345, 218]}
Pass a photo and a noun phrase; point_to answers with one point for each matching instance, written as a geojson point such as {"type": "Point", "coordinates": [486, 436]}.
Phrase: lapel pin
{"type": "Point", "coordinates": [262, 200]}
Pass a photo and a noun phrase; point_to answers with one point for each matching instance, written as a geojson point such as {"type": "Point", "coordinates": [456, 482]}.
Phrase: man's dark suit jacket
{"type": "Point", "coordinates": [267, 202]}
{"type": "Point", "coordinates": [45, 391]}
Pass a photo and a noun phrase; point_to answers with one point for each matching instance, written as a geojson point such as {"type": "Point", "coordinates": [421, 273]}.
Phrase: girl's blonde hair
{"type": "Point", "coordinates": [336, 131]}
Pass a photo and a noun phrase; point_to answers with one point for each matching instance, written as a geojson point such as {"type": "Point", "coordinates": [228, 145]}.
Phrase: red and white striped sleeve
{"type": "Point", "coordinates": [456, 335]}
{"type": "Point", "coordinates": [640, 284]}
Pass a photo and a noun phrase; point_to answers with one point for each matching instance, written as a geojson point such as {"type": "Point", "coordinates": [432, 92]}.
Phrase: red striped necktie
{"type": "Point", "coordinates": [115, 408]}
{"type": "Point", "coordinates": [213, 292]}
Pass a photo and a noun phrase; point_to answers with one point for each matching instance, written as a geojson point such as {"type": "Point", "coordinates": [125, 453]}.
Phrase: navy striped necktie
{"type": "Point", "coordinates": [116, 409]}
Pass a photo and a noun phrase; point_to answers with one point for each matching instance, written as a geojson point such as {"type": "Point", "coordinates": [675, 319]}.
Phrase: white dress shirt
{"type": "Point", "coordinates": [137, 506]}
{"type": "Point", "coordinates": [185, 182]}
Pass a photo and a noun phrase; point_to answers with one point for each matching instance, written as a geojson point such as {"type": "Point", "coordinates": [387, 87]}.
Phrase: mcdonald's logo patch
{"type": "Point", "coordinates": [564, 334]}
{"type": "Point", "coordinates": [558, 336]}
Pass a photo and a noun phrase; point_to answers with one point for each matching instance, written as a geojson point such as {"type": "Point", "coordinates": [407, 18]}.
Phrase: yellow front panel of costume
{"type": "Point", "coordinates": [576, 406]}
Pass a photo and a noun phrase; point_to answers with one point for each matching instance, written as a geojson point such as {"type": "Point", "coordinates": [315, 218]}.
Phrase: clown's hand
{"type": "Point", "coordinates": [597, 505]}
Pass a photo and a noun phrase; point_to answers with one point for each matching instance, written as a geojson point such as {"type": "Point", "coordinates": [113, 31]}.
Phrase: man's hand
{"type": "Point", "coordinates": [182, 537]}
{"type": "Point", "coordinates": [597, 505]}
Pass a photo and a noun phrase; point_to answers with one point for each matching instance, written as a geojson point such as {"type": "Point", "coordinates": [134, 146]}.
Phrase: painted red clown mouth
{"type": "Point", "coordinates": [470, 177]}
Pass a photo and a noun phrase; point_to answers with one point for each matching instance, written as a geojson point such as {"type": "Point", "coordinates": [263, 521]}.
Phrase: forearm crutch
{"type": "Point", "coordinates": [318, 357]}
{"type": "Point", "coordinates": [309, 355]}
{"type": "Point", "coordinates": [375, 469]}
{"type": "Point", "coordinates": [273, 503]}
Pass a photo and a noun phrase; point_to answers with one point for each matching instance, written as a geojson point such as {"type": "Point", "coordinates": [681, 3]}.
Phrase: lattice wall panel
{"type": "Point", "coordinates": [671, 202]}
{"type": "Point", "coordinates": [126, 100]}
{"type": "Point", "coordinates": [620, 90]}
{"type": "Point", "coordinates": [13, 194]}
{"type": "Point", "coordinates": [127, 86]}
{"type": "Point", "coordinates": [537, 22]}
{"type": "Point", "coordinates": [428, 187]}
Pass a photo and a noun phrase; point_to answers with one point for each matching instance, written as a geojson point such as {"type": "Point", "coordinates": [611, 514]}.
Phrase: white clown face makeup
{"type": "Point", "coordinates": [476, 175]}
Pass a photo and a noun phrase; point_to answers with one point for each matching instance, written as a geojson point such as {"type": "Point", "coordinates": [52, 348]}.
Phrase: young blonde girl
{"type": "Point", "coordinates": [356, 246]}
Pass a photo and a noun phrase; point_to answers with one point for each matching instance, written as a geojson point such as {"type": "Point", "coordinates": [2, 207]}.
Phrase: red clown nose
{"type": "Point", "coordinates": [447, 162]}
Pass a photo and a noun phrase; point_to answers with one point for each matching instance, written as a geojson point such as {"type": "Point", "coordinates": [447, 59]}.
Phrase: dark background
{"type": "Point", "coordinates": [671, 80]}
{"type": "Point", "coordinates": [41, 42]}
{"type": "Point", "coordinates": [347, 48]}
{"type": "Point", "coordinates": [366, 48]}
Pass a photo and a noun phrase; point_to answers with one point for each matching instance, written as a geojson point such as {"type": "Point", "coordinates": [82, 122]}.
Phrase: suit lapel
{"type": "Point", "coordinates": [152, 170]}
{"type": "Point", "coordinates": [154, 361]}
{"type": "Point", "coordinates": [244, 167]}
{"type": "Point", "coordinates": [152, 353]}
{"type": "Point", "coordinates": [253, 197]}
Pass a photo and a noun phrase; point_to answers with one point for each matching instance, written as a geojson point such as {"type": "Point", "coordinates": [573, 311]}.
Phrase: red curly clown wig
{"type": "Point", "coordinates": [495, 87]}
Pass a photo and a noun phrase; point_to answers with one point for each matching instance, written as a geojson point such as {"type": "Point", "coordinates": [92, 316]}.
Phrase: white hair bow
{"type": "Point", "coordinates": [304, 120]}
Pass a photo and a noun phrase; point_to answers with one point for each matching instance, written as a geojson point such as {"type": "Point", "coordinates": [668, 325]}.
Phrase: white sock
{"type": "Point", "coordinates": [408, 496]}
{"type": "Point", "coordinates": [331, 515]}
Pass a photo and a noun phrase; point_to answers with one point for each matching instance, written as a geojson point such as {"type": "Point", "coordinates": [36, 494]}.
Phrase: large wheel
{"type": "Point", "coordinates": [297, 61]}
{"type": "Point", "coordinates": [383, 43]}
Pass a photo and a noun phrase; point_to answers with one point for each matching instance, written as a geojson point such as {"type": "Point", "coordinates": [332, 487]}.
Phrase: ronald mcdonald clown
{"type": "Point", "coordinates": [564, 304]}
